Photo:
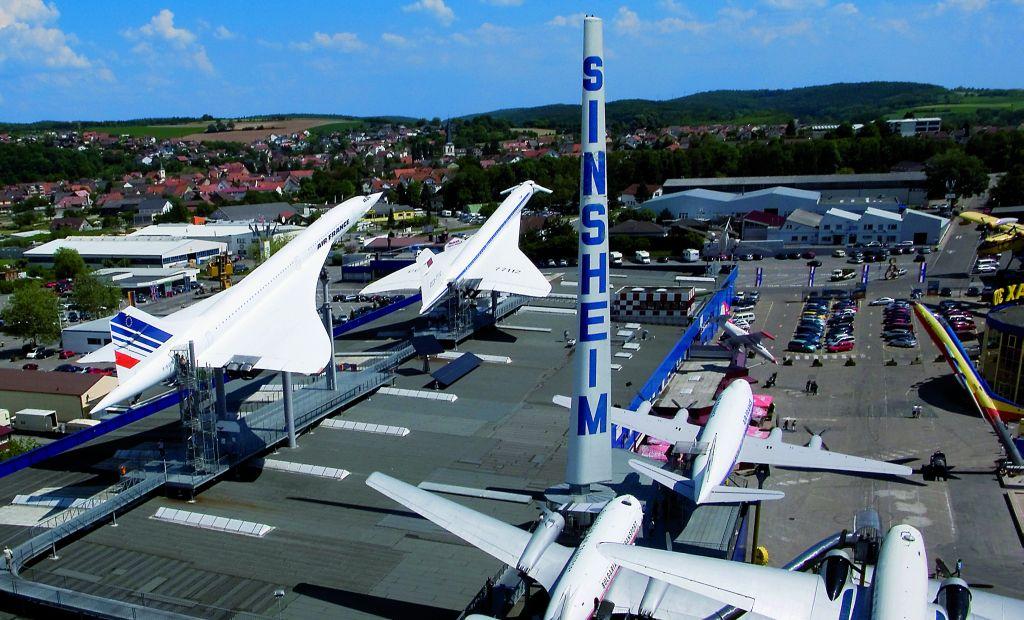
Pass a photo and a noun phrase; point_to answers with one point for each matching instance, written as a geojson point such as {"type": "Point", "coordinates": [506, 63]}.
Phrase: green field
{"type": "Point", "coordinates": [332, 127]}
{"type": "Point", "coordinates": [156, 131]}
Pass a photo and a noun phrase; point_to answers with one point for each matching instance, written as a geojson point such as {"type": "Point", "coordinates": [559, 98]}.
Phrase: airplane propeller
{"type": "Point", "coordinates": [816, 438]}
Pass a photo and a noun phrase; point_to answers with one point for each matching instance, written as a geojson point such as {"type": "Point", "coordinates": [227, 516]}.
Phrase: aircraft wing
{"type": "Point", "coordinates": [772, 592]}
{"type": "Point", "coordinates": [991, 222]}
{"type": "Point", "coordinates": [776, 452]}
{"type": "Point", "coordinates": [495, 538]}
{"type": "Point", "coordinates": [660, 428]}
{"type": "Point", "coordinates": [627, 593]}
{"type": "Point", "coordinates": [411, 278]}
{"type": "Point", "coordinates": [104, 354]}
{"type": "Point", "coordinates": [284, 332]}
{"type": "Point", "coordinates": [509, 271]}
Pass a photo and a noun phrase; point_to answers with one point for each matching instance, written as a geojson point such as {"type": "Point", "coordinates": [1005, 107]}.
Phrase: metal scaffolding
{"type": "Point", "coordinates": [198, 409]}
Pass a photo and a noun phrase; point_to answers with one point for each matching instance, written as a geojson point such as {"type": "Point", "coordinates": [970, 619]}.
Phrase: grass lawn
{"type": "Point", "coordinates": [332, 127]}
{"type": "Point", "coordinates": [156, 131]}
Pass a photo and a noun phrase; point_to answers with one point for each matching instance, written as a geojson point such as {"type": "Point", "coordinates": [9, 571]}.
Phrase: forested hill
{"type": "Point", "coordinates": [853, 102]}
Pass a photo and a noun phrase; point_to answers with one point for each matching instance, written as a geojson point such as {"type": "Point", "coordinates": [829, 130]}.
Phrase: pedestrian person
{"type": "Point", "coordinates": [814, 388]}
{"type": "Point", "coordinates": [807, 387]}
{"type": "Point", "coordinates": [9, 558]}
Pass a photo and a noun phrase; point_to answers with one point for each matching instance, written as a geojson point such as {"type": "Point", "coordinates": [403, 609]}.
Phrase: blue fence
{"type": "Point", "coordinates": [370, 317]}
{"type": "Point", "coordinates": [74, 440]}
{"type": "Point", "coordinates": [703, 329]}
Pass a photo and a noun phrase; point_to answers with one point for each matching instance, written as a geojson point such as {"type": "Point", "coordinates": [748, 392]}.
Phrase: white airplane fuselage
{"type": "Point", "coordinates": [723, 434]}
{"type": "Point", "coordinates": [588, 575]}
{"type": "Point", "coordinates": [900, 588]}
{"type": "Point", "coordinates": [246, 297]}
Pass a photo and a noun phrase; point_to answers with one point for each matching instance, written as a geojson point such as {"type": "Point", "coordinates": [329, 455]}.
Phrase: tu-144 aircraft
{"type": "Point", "coordinates": [723, 442]}
{"type": "Point", "coordinates": [490, 260]}
{"type": "Point", "coordinates": [241, 325]}
{"type": "Point", "coordinates": [735, 336]}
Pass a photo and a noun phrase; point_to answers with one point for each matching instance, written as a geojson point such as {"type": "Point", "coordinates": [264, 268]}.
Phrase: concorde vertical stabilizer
{"type": "Point", "coordinates": [589, 458]}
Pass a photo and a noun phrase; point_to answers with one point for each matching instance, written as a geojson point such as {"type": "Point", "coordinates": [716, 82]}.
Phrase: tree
{"type": "Point", "coordinates": [966, 174]}
{"type": "Point", "coordinates": [24, 219]}
{"type": "Point", "coordinates": [1010, 189]}
{"type": "Point", "coordinates": [32, 313]}
{"type": "Point", "coordinates": [95, 297]}
{"type": "Point", "coordinates": [791, 128]}
{"type": "Point", "coordinates": [50, 211]}
{"type": "Point", "coordinates": [16, 446]}
{"type": "Point", "coordinates": [178, 213]}
{"type": "Point", "coordinates": [642, 193]}
{"type": "Point", "coordinates": [391, 218]}
{"type": "Point", "coordinates": [664, 216]}
{"type": "Point", "coordinates": [68, 263]}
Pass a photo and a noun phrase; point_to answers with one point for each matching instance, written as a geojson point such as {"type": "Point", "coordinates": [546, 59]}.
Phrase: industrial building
{"type": "Point", "coordinates": [86, 337]}
{"type": "Point", "coordinates": [71, 395]}
{"type": "Point", "coordinates": [1002, 351]}
{"type": "Point", "coordinates": [708, 204]}
{"type": "Point", "coordinates": [148, 279]}
{"type": "Point", "coordinates": [908, 127]}
{"type": "Point", "coordinates": [909, 188]}
{"type": "Point", "coordinates": [238, 236]}
{"type": "Point", "coordinates": [136, 251]}
{"type": "Point", "coordinates": [838, 226]}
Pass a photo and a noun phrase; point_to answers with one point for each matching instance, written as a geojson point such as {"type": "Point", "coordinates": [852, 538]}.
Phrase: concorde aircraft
{"type": "Point", "coordinates": [897, 586]}
{"type": "Point", "coordinates": [576, 579]}
{"type": "Point", "coordinates": [490, 260]}
{"type": "Point", "coordinates": [723, 442]}
{"type": "Point", "coordinates": [735, 336]}
{"type": "Point", "coordinates": [268, 321]}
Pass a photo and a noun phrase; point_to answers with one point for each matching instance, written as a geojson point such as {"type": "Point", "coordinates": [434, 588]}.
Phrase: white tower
{"type": "Point", "coordinates": [589, 455]}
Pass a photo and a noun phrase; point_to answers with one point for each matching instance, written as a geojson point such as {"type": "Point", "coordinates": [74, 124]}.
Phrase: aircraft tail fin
{"type": "Point", "coordinates": [433, 285]}
{"type": "Point", "coordinates": [720, 494]}
{"type": "Point", "coordinates": [136, 335]}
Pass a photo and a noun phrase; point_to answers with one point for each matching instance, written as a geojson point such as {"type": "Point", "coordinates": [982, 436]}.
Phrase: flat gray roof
{"type": "Point", "coordinates": [799, 179]}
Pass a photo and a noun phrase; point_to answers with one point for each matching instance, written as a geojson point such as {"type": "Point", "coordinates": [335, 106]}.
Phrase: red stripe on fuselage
{"type": "Point", "coordinates": [124, 360]}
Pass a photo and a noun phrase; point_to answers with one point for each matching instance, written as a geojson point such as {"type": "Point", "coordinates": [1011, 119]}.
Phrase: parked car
{"type": "Point", "coordinates": [37, 353]}
{"type": "Point", "coordinates": [66, 354]}
{"type": "Point", "coordinates": [882, 301]}
{"type": "Point", "coordinates": [110, 372]}
{"type": "Point", "coordinates": [808, 254]}
{"type": "Point", "coordinates": [814, 263]}
{"type": "Point", "coordinates": [945, 291]}
{"type": "Point", "coordinates": [70, 368]}
{"type": "Point", "coordinates": [916, 294]}
{"type": "Point", "coordinates": [794, 255]}
{"type": "Point", "coordinates": [839, 253]}
{"type": "Point", "coordinates": [903, 343]}
{"type": "Point", "coordinates": [920, 258]}
{"type": "Point", "coordinates": [800, 346]}
{"type": "Point", "coordinates": [839, 347]}
{"type": "Point", "coordinates": [30, 366]}
{"type": "Point", "coordinates": [895, 334]}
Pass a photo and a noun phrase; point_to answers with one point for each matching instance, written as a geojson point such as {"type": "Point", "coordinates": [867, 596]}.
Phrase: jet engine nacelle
{"type": "Point", "coordinates": [954, 597]}
{"type": "Point", "coordinates": [814, 442]}
{"type": "Point", "coordinates": [545, 534]}
{"type": "Point", "coordinates": [834, 570]}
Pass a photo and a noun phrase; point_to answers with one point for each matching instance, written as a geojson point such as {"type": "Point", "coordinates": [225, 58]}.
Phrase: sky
{"type": "Point", "coordinates": [104, 60]}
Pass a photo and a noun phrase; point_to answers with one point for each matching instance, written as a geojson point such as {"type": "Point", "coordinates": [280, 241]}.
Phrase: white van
{"type": "Point", "coordinates": [747, 317]}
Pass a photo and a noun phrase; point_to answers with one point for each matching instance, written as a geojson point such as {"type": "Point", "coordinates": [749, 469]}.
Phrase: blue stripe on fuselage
{"type": "Point", "coordinates": [118, 331]}
{"type": "Point", "coordinates": [508, 219]}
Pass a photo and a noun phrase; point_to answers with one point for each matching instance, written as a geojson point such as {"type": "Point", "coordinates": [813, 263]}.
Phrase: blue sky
{"type": "Point", "coordinates": [95, 59]}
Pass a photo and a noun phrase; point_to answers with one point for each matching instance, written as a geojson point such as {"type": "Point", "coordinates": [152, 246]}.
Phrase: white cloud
{"type": "Point", "coordinates": [160, 30]}
{"type": "Point", "coordinates": [26, 37]}
{"type": "Point", "coordinates": [31, 11]}
{"type": "Point", "coordinates": [735, 14]}
{"type": "Point", "coordinates": [503, 2]}
{"type": "Point", "coordinates": [575, 20]}
{"type": "Point", "coordinates": [394, 39]}
{"type": "Point", "coordinates": [966, 6]}
{"type": "Point", "coordinates": [437, 8]}
{"type": "Point", "coordinates": [768, 34]}
{"type": "Point", "coordinates": [795, 5]}
{"type": "Point", "coordinates": [846, 9]}
{"type": "Point", "coordinates": [344, 41]}
{"type": "Point", "coordinates": [223, 33]}
{"type": "Point", "coordinates": [628, 22]}
{"type": "Point", "coordinates": [900, 26]}
{"type": "Point", "coordinates": [161, 26]}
